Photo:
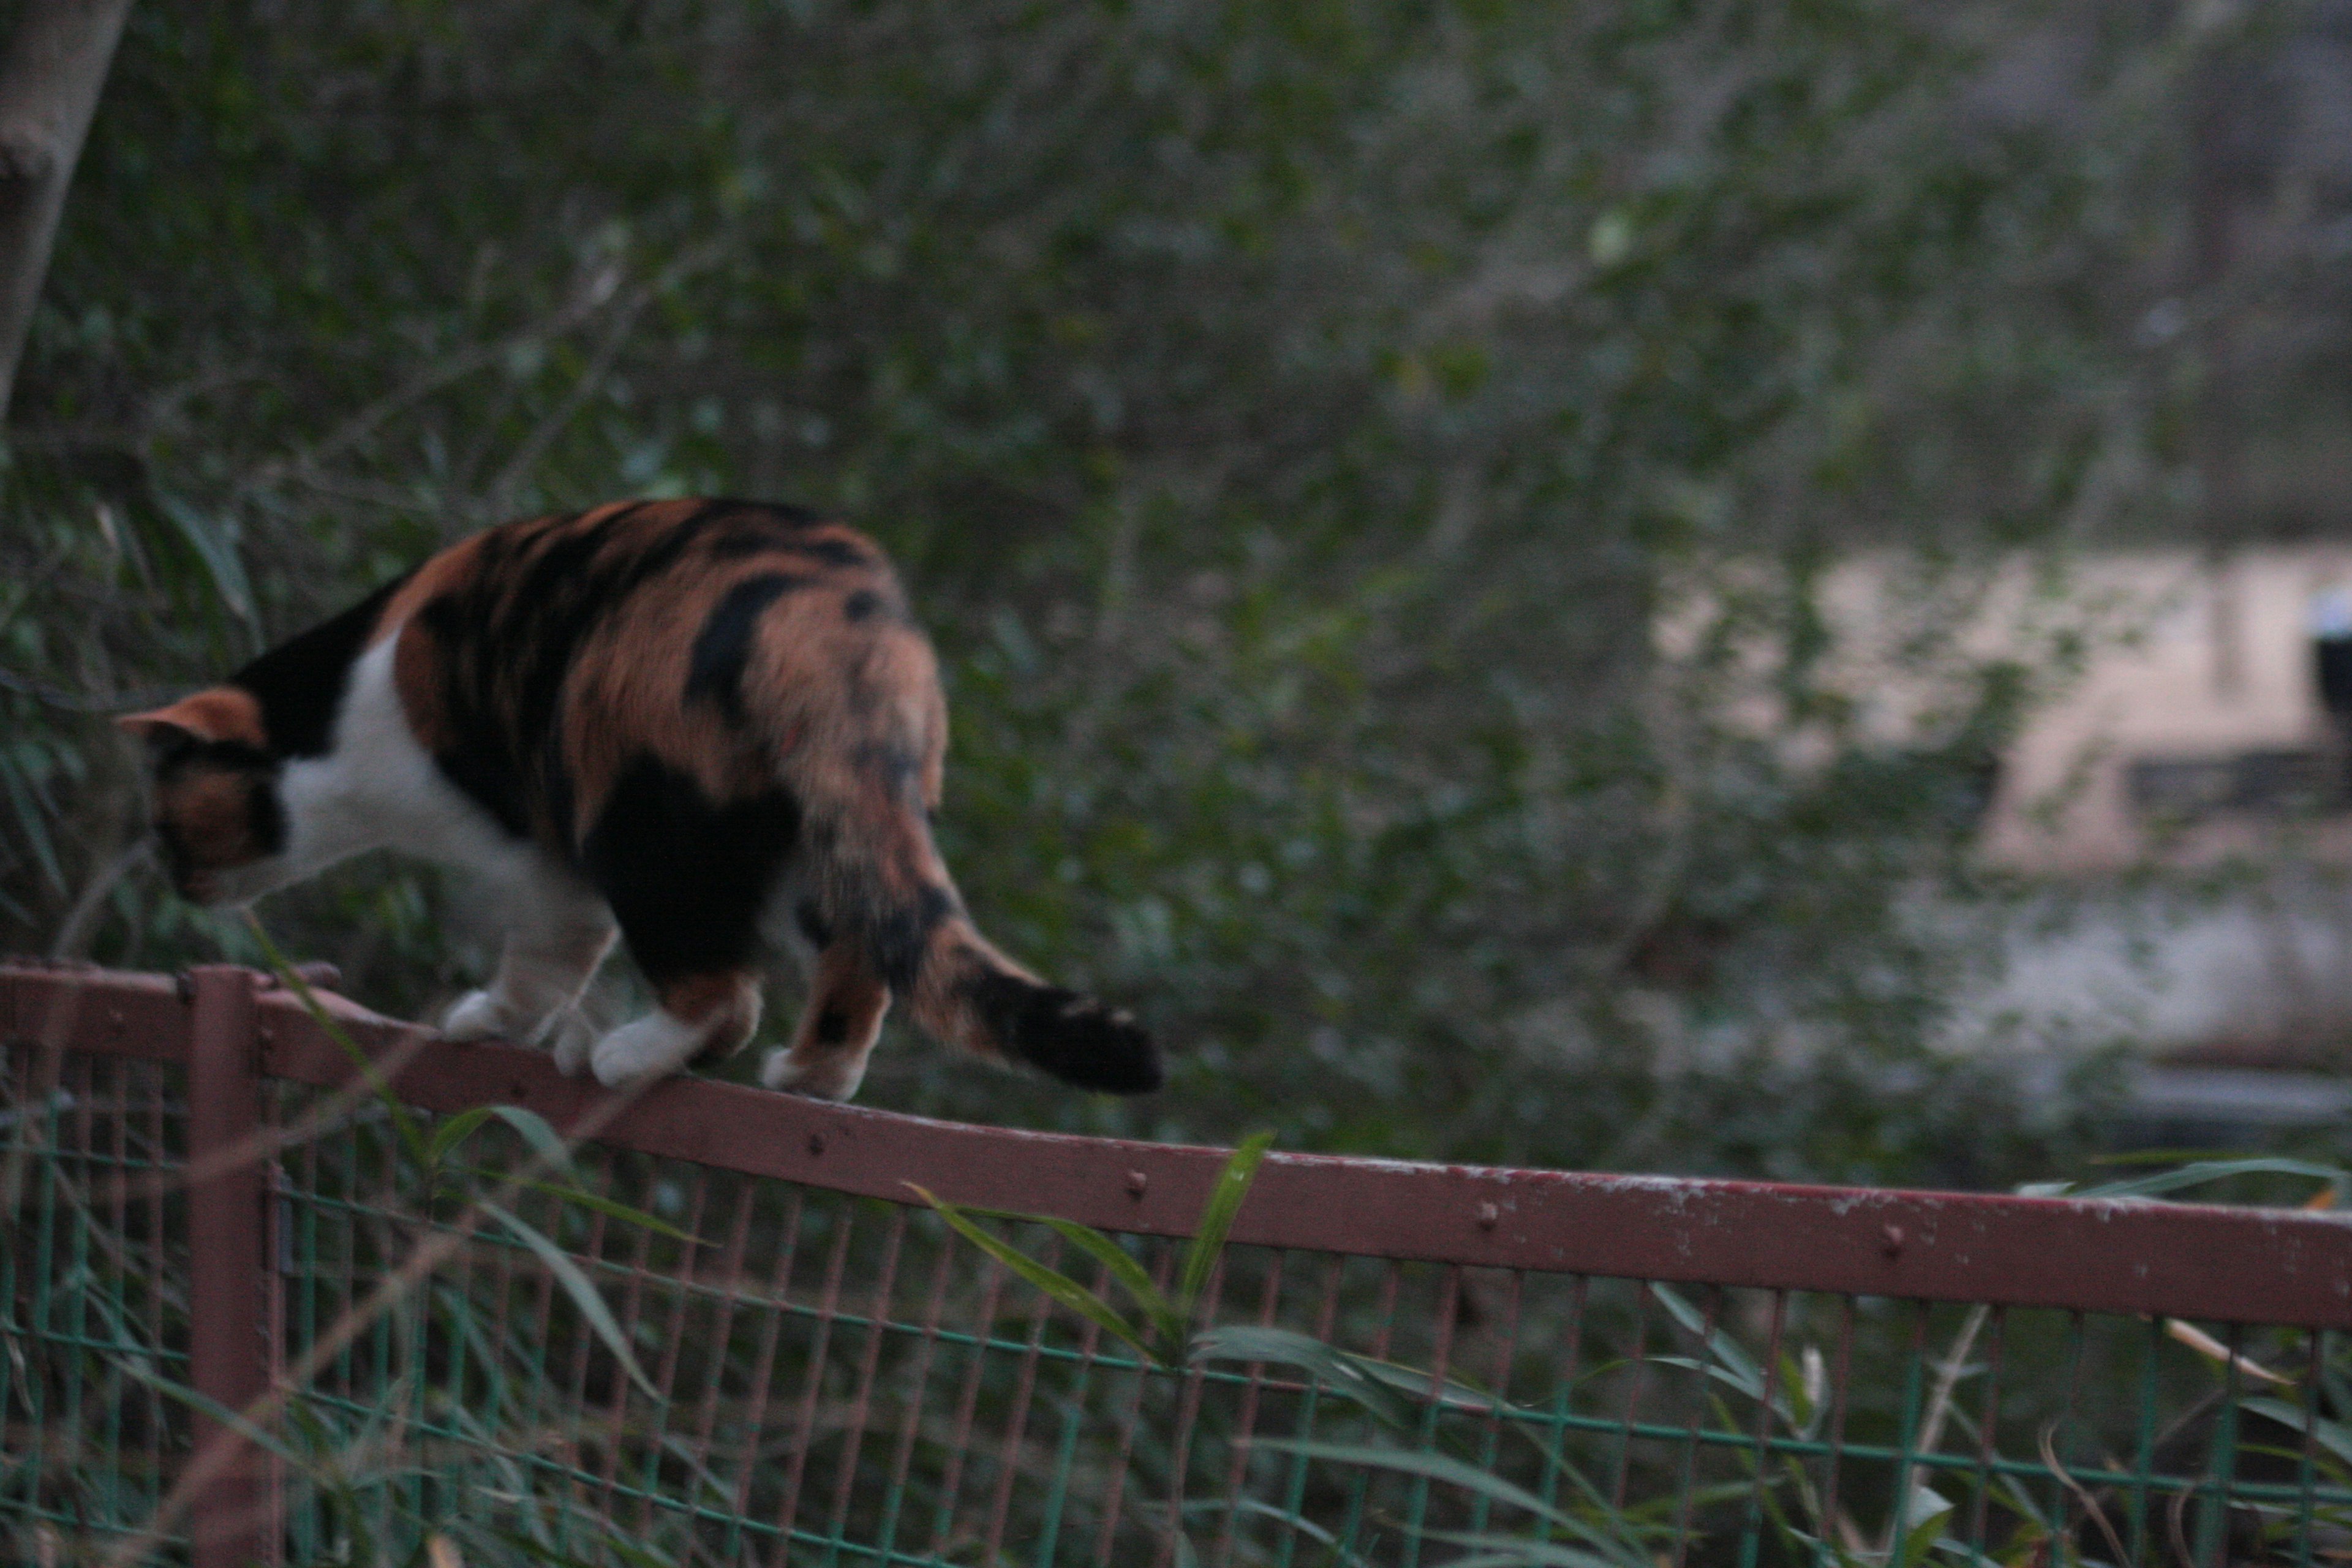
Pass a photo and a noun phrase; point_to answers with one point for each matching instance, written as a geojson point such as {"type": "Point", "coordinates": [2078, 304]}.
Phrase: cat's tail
{"type": "Point", "coordinates": [971, 995]}
{"type": "Point", "coordinates": [883, 885]}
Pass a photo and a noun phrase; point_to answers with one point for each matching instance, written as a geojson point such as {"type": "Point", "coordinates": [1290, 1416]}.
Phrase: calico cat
{"type": "Point", "coordinates": [712, 725]}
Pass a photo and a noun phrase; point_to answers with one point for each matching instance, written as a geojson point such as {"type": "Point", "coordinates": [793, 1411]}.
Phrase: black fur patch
{"type": "Point", "coordinates": [177, 755]}
{"type": "Point", "coordinates": [895, 939]}
{"type": "Point", "coordinates": [813, 926]}
{"type": "Point", "coordinates": [715, 673]}
{"type": "Point", "coordinates": [754, 528]}
{"type": "Point", "coordinates": [832, 551]}
{"type": "Point", "coordinates": [509, 637]}
{"type": "Point", "coordinates": [861, 604]}
{"type": "Point", "coordinates": [1069, 1036]}
{"type": "Point", "coordinates": [832, 1026]}
{"type": "Point", "coordinates": [687, 877]}
{"type": "Point", "coordinates": [300, 682]}
{"type": "Point", "coordinates": [267, 812]}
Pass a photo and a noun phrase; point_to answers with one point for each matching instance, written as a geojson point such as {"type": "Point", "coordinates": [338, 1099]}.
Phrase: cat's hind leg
{"type": "Point", "coordinates": [829, 1050]}
{"type": "Point", "coordinates": [699, 1014]}
{"type": "Point", "coordinates": [689, 875]}
{"type": "Point", "coordinates": [561, 931]}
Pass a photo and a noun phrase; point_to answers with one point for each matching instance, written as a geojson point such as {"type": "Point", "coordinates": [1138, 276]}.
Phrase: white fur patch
{"type": "Point", "coordinates": [377, 786]}
{"type": "Point", "coordinates": [476, 1016]}
{"type": "Point", "coordinates": [574, 1038]}
{"type": "Point", "coordinates": [836, 1076]}
{"type": "Point", "coordinates": [654, 1047]}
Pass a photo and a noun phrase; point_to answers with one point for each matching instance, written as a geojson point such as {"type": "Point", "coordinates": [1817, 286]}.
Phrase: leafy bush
{"type": "Point", "coordinates": [1292, 422]}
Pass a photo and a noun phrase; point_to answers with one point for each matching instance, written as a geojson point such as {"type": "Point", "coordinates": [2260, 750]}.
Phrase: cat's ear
{"type": "Point", "coordinates": [219, 713]}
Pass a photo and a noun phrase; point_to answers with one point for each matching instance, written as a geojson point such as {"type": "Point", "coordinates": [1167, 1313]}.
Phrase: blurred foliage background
{"type": "Point", "coordinates": [1292, 422]}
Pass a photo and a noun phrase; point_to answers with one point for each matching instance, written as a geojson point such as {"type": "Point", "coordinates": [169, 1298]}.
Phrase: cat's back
{"type": "Point", "coordinates": [540, 658]}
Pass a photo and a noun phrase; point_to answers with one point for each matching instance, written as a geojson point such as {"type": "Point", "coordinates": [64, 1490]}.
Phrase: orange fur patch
{"type": "Point", "coordinates": [834, 674]}
{"type": "Point", "coordinates": [725, 1006]}
{"type": "Point", "coordinates": [217, 713]}
{"type": "Point", "coordinates": [212, 815]}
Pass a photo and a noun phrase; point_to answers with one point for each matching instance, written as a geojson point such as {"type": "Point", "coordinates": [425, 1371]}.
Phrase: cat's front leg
{"type": "Point", "coordinates": [700, 1015]}
{"type": "Point", "coordinates": [561, 936]}
{"type": "Point", "coordinates": [828, 1054]}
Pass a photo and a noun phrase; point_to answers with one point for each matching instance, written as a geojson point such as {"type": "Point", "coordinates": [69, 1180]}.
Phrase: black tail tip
{"type": "Point", "coordinates": [1072, 1037]}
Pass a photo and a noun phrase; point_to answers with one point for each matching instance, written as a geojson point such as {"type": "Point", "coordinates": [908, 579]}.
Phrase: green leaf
{"type": "Point", "coordinates": [1336, 1369]}
{"type": "Point", "coordinates": [378, 1085]}
{"type": "Point", "coordinates": [1923, 1521]}
{"type": "Point", "coordinates": [2332, 1436]}
{"type": "Point", "coordinates": [1298, 1522]}
{"type": "Point", "coordinates": [1106, 1250]}
{"type": "Point", "coordinates": [1800, 1411]}
{"type": "Point", "coordinates": [536, 1130]}
{"type": "Point", "coordinates": [1510, 1551]}
{"type": "Point", "coordinates": [24, 795]}
{"type": "Point", "coordinates": [2204, 1171]}
{"type": "Point", "coordinates": [612, 1208]}
{"type": "Point", "coordinates": [1722, 1375]}
{"type": "Point", "coordinates": [1217, 1220]}
{"type": "Point", "coordinates": [1746, 1376]}
{"type": "Point", "coordinates": [1124, 1269]}
{"type": "Point", "coordinates": [213, 547]}
{"type": "Point", "coordinates": [454, 1131]}
{"type": "Point", "coordinates": [1381, 1386]}
{"type": "Point", "coordinates": [581, 1291]}
{"type": "Point", "coordinates": [1436, 1467]}
{"type": "Point", "coordinates": [1054, 1283]}
{"type": "Point", "coordinates": [235, 1420]}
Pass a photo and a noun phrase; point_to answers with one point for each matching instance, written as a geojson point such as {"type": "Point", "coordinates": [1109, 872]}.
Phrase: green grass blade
{"type": "Point", "coordinates": [537, 1131]}
{"type": "Point", "coordinates": [1746, 1376]}
{"type": "Point", "coordinates": [1298, 1522]}
{"type": "Point", "coordinates": [1053, 1282]}
{"type": "Point", "coordinates": [1127, 1271]}
{"type": "Point", "coordinates": [582, 1291]}
{"type": "Point", "coordinates": [212, 548]}
{"type": "Point", "coordinates": [1436, 1467]}
{"type": "Point", "coordinates": [612, 1208]}
{"type": "Point", "coordinates": [1724, 1376]}
{"type": "Point", "coordinates": [1106, 1250]}
{"type": "Point", "coordinates": [378, 1085]}
{"type": "Point", "coordinates": [454, 1131]}
{"type": "Point", "coordinates": [1217, 1220]}
{"type": "Point", "coordinates": [1336, 1369]}
{"type": "Point", "coordinates": [267, 1441]}
{"type": "Point", "coordinates": [1363, 1378]}
{"type": "Point", "coordinates": [1508, 1552]}
{"type": "Point", "coordinates": [2332, 1436]}
{"type": "Point", "coordinates": [2202, 1171]}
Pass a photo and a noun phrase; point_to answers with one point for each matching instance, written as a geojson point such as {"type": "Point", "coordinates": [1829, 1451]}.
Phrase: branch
{"type": "Point", "coordinates": [57, 697]}
{"type": "Point", "coordinates": [49, 82]}
{"type": "Point", "coordinates": [497, 497]}
{"type": "Point", "coordinates": [594, 291]}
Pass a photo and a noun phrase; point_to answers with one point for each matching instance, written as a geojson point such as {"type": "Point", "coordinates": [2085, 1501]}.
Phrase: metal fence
{"type": "Point", "coordinates": [239, 1326]}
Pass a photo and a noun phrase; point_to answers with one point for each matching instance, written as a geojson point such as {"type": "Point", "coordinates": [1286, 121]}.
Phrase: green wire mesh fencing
{"type": "Point", "coordinates": [727, 1330]}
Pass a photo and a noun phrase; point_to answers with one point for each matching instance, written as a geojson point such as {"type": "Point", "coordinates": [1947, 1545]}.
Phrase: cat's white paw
{"type": "Point", "coordinates": [654, 1047]}
{"type": "Point", "coordinates": [828, 1078]}
{"type": "Point", "coordinates": [570, 1039]}
{"type": "Point", "coordinates": [477, 1016]}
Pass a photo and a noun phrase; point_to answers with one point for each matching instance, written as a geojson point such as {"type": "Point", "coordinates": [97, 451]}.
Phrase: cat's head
{"type": "Point", "coordinates": [220, 819]}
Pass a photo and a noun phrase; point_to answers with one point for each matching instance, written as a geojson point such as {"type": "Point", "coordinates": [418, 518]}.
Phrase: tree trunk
{"type": "Point", "coordinates": [49, 82]}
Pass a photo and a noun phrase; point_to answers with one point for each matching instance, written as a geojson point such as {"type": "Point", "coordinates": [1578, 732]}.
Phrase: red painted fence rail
{"type": "Point", "coordinates": [234, 1031]}
{"type": "Point", "coordinates": [2189, 1260]}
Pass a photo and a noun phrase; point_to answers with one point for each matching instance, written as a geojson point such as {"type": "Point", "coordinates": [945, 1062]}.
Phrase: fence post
{"type": "Point", "coordinates": [235, 1523]}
